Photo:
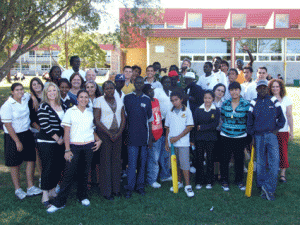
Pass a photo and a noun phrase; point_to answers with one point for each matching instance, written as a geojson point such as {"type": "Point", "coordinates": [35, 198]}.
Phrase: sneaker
{"type": "Point", "coordinates": [245, 170]}
{"type": "Point", "coordinates": [34, 191]}
{"type": "Point", "coordinates": [198, 187]}
{"type": "Point", "coordinates": [53, 209]}
{"type": "Point", "coordinates": [230, 164]}
{"type": "Point", "coordinates": [269, 196]}
{"type": "Point", "coordinates": [57, 189]}
{"type": "Point", "coordinates": [166, 179]}
{"type": "Point", "coordinates": [193, 169]}
{"type": "Point", "coordinates": [189, 191]}
{"type": "Point", "coordinates": [180, 185]}
{"type": "Point", "coordinates": [263, 195]}
{"type": "Point", "coordinates": [204, 163]}
{"type": "Point", "coordinates": [20, 194]}
{"type": "Point", "coordinates": [208, 186]}
{"type": "Point", "coordinates": [124, 174]}
{"type": "Point", "coordinates": [85, 202]}
{"type": "Point", "coordinates": [40, 182]}
{"type": "Point", "coordinates": [225, 187]}
{"type": "Point", "coordinates": [155, 185]}
{"type": "Point", "coordinates": [242, 187]}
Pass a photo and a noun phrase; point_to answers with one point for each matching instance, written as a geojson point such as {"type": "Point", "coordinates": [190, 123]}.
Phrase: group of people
{"type": "Point", "coordinates": [71, 125]}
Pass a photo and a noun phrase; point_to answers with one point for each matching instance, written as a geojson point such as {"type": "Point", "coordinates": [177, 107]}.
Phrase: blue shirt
{"type": "Point", "coordinates": [139, 114]}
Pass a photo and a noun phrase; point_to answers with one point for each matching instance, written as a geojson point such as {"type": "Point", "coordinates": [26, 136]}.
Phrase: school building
{"type": "Point", "coordinates": [272, 35]}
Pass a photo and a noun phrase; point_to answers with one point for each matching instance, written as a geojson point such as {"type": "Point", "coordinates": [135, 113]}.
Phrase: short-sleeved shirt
{"type": "Point", "coordinates": [154, 84]}
{"type": "Point", "coordinates": [16, 113]}
{"type": "Point", "coordinates": [117, 95]}
{"type": "Point", "coordinates": [241, 77]}
{"type": "Point", "coordinates": [128, 88]}
{"type": "Point", "coordinates": [139, 114]}
{"type": "Point", "coordinates": [81, 123]}
{"type": "Point", "coordinates": [68, 73]}
{"type": "Point", "coordinates": [250, 92]}
{"type": "Point", "coordinates": [286, 101]}
{"type": "Point", "coordinates": [221, 77]}
{"type": "Point", "coordinates": [207, 82]}
{"type": "Point", "coordinates": [177, 123]}
{"type": "Point", "coordinates": [165, 103]}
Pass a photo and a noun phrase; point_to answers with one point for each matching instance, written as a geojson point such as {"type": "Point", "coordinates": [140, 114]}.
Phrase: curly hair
{"type": "Point", "coordinates": [281, 85]}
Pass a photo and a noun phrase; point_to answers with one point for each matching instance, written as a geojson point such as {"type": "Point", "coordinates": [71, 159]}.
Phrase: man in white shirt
{"type": "Point", "coordinates": [249, 85]}
{"type": "Point", "coordinates": [150, 79]}
{"type": "Point", "coordinates": [208, 80]}
{"type": "Point", "coordinates": [75, 63]}
{"type": "Point", "coordinates": [221, 77]}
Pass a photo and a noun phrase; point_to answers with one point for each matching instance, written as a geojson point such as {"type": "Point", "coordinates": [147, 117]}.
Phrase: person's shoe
{"type": "Point", "coordinates": [34, 191]}
{"type": "Point", "coordinates": [128, 194]}
{"type": "Point", "coordinates": [53, 209]}
{"type": "Point", "coordinates": [124, 174]}
{"type": "Point", "coordinates": [155, 185]}
{"type": "Point", "coordinates": [189, 191]}
{"type": "Point", "coordinates": [209, 186]}
{"type": "Point", "coordinates": [20, 194]}
{"type": "Point", "coordinates": [193, 169]}
{"type": "Point", "coordinates": [269, 196]}
{"type": "Point", "coordinates": [180, 185]}
{"type": "Point", "coordinates": [225, 187]}
{"type": "Point", "coordinates": [263, 195]}
{"type": "Point", "coordinates": [141, 192]}
{"type": "Point", "coordinates": [282, 179]}
{"type": "Point", "coordinates": [109, 198]}
{"type": "Point", "coordinates": [242, 187]}
{"type": "Point", "coordinates": [40, 182]}
{"type": "Point", "coordinates": [57, 189]}
{"type": "Point", "coordinates": [85, 202]}
{"type": "Point", "coordinates": [166, 179]}
{"type": "Point", "coordinates": [198, 187]}
{"type": "Point", "coordinates": [245, 170]}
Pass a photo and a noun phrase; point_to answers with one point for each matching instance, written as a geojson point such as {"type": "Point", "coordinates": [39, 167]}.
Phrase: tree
{"type": "Point", "coordinates": [28, 22]}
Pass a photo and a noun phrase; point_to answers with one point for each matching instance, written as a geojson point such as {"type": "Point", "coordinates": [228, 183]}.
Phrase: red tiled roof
{"type": "Point", "coordinates": [107, 47]}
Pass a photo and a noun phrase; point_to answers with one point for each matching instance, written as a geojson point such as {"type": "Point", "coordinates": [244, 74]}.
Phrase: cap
{"type": "Point", "coordinates": [173, 73]}
{"type": "Point", "coordinates": [190, 75]}
{"type": "Point", "coordinates": [262, 82]}
{"type": "Point", "coordinates": [120, 77]}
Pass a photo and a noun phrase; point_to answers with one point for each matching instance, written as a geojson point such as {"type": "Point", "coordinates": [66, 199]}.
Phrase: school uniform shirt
{"type": "Point", "coordinates": [81, 123]}
{"type": "Point", "coordinates": [286, 101]}
{"type": "Point", "coordinates": [68, 102]}
{"type": "Point", "coordinates": [72, 97]}
{"type": "Point", "coordinates": [155, 84]}
{"type": "Point", "coordinates": [177, 123]}
{"type": "Point", "coordinates": [16, 113]}
{"type": "Point", "coordinates": [128, 88]}
{"type": "Point", "coordinates": [250, 92]}
{"type": "Point", "coordinates": [139, 114]}
{"type": "Point", "coordinates": [165, 103]}
{"type": "Point", "coordinates": [221, 77]}
{"type": "Point", "coordinates": [90, 105]}
{"type": "Point", "coordinates": [157, 129]}
{"type": "Point", "coordinates": [207, 83]}
{"type": "Point", "coordinates": [68, 73]}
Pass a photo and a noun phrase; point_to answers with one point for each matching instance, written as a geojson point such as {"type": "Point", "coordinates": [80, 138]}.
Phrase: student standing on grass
{"type": "Point", "coordinates": [139, 118]}
{"type": "Point", "coordinates": [155, 154]}
{"type": "Point", "coordinates": [64, 87]}
{"type": "Point", "coordinates": [233, 136]}
{"type": "Point", "coordinates": [277, 88]}
{"type": "Point", "coordinates": [179, 123]}
{"type": "Point", "coordinates": [206, 120]}
{"type": "Point", "coordinates": [50, 141]}
{"type": "Point", "coordinates": [265, 119]}
{"type": "Point", "coordinates": [110, 122]}
{"type": "Point", "coordinates": [80, 142]}
{"type": "Point", "coordinates": [19, 142]}
{"type": "Point", "coordinates": [77, 83]}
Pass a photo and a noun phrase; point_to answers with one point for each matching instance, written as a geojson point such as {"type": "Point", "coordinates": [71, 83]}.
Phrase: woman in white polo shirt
{"type": "Point", "coordinates": [80, 142]}
{"type": "Point", "coordinates": [19, 144]}
{"type": "Point", "coordinates": [110, 121]}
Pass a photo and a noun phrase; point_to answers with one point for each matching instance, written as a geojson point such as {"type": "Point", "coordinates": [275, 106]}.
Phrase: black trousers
{"type": "Point", "coordinates": [78, 168]}
{"type": "Point", "coordinates": [53, 162]}
{"type": "Point", "coordinates": [201, 148]}
{"type": "Point", "coordinates": [235, 147]}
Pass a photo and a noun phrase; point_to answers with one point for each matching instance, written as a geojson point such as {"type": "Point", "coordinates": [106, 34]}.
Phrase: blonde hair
{"type": "Point", "coordinates": [45, 91]}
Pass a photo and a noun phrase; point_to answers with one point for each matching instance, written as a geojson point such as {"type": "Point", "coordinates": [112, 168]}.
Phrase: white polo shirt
{"type": "Point", "coordinates": [16, 113]}
{"type": "Point", "coordinates": [81, 123]}
{"type": "Point", "coordinates": [221, 77]}
{"type": "Point", "coordinates": [207, 83]}
{"type": "Point", "coordinates": [155, 84]}
{"type": "Point", "coordinates": [68, 73]}
{"type": "Point", "coordinates": [177, 123]}
{"type": "Point", "coordinates": [250, 90]}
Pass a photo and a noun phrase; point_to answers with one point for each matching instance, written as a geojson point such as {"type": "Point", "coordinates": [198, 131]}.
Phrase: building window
{"type": "Point", "coordinates": [192, 45]}
{"type": "Point", "coordinates": [218, 46]}
{"type": "Point", "coordinates": [174, 26]}
{"type": "Point", "coordinates": [251, 43]}
{"type": "Point", "coordinates": [238, 20]}
{"type": "Point", "coordinates": [31, 53]}
{"type": "Point", "coordinates": [293, 50]}
{"type": "Point", "coordinates": [282, 21]}
{"type": "Point", "coordinates": [45, 67]}
{"type": "Point", "coordinates": [194, 20]}
{"type": "Point", "coordinates": [270, 45]}
{"type": "Point", "coordinates": [55, 53]}
{"type": "Point", "coordinates": [46, 54]}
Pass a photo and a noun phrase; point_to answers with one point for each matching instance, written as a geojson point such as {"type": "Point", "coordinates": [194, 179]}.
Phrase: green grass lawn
{"type": "Point", "coordinates": [160, 206]}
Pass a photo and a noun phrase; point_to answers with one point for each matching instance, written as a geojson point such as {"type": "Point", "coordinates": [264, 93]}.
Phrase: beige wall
{"type": "Point", "coordinates": [170, 54]}
{"type": "Point", "coordinates": [136, 56]}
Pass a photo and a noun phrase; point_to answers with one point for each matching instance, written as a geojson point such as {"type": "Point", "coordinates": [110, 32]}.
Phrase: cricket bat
{"type": "Point", "coordinates": [250, 174]}
{"type": "Point", "coordinates": [174, 169]}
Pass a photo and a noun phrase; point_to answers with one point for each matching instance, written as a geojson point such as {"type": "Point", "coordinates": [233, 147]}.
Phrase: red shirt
{"type": "Point", "coordinates": [157, 129]}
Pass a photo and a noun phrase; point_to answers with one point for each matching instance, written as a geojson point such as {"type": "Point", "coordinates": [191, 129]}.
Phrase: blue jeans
{"type": "Point", "coordinates": [267, 156]}
{"type": "Point", "coordinates": [158, 155]}
{"type": "Point", "coordinates": [137, 156]}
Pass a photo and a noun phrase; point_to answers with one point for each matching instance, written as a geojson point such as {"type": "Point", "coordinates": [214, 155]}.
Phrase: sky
{"type": "Point", "coordinates": [112, 21]}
